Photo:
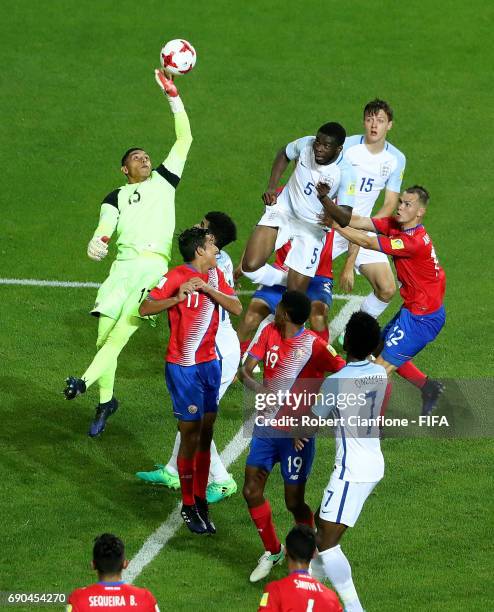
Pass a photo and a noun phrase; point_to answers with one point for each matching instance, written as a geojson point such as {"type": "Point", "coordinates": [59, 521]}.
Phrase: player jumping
{"type": "Point", "coordinates": [221, 484]}
{"type": "Point", "coordinates": [142, 212]}
{"type": "Point", "coordinates": [294, 214]}
{"type": "Point", "coordinates": [423, 284]}
{"type": "Point", "coordinates": [193, 294]}
{"type": "Point", "coordinates": [294, 359]}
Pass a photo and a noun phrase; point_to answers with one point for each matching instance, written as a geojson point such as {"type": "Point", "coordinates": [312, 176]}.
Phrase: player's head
{"type": "Point", "coordinates": [362, 335]}
{"type": "Point", "coordinates": [109, 555]}
{"type": "Point", "coordinates": [294, 307]}
{"type": "Point", "coordinates": [412, 205]}
{"type": "Point", "coordinates": [196, 244]}
{"type": "Point", "coordinates": [221, 226]}
{"type": "Point", "coordinates": [378, 120]}
{"type": "Point", "coordinates": [329, 142]}
{"type": "Point", "coordinates": [301, 544]}
{"type": "Point", "coordinates": [136, 165]}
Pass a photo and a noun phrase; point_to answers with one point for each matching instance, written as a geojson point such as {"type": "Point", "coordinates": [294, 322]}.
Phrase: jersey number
{"type": "Point", "coordinates": [395, 336]}
{"type": "Point", "coordinates": [296, 463]}
{"type": "Point", "coordinates": [314, 255]}
{"type": "Point", "coordinates": [271, 359]}
{"type": "Point", "coordinates": [436, 261]}
{"type": "Point", "coordinates": [366, 184]}
{"type": "Point", "coordinates": [310, 605]}
{"type": "Point", "coordinates": [308, 188]}
{"type": "Point", "coordinates": [371, 395]}
{"type": "Point", "coordinates": [190, 299]}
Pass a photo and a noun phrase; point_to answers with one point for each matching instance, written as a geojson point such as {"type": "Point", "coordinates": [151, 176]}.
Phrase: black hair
{"type": "Point", "coordinates": [108, 554]}
{"type": "Point", "coordinates": [190, 240]}
{"type": "Point", "coordinates": [301, 543]}
{"type": "Point", "coordinates": [362, 335]}
{"type": "Point", "coordinates": [422, 193]}
{"type": "Point", "coordinates": [128, 152]}
{"type": "Point", "coordinates": [376, 105]}
{"type": "Point", "coordinates": [222, 227]}
{"type": "Point", "coordinates": [297, 306]}
{"type": "Point", "coordinates": [335, 131]}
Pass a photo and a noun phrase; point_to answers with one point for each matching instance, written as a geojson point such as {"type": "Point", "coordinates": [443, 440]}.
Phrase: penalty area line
{"type": "Point", "coordinates": [158, 539]}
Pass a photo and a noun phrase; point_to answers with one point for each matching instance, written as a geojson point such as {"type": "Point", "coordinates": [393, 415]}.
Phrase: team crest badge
{"type": "Point", "coordinates": [298, 353]}
{"type": "Point", "coordinates": [327, 180]}
{"type": "Point", "coordinates": [385, 170]}
{"type": "Point", "coordinates": [192, 409]}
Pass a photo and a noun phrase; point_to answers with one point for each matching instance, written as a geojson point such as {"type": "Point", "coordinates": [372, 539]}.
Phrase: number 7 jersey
{"type": "Point", "coordinates": [194, 321]}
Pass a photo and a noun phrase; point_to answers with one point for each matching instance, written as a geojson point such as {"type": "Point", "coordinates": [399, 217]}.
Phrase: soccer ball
{"type": "Point", "coordinates": [178, 56]}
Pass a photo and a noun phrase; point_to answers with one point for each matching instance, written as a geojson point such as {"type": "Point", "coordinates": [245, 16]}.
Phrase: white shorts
{"type": "Point", "coordinates": [228, 350]}
{"type": "Point", "coordinates": [307, 238]}
{"type": "Point", "coordinates": [342, 501]}
{"type": "Point", "coordinates": [365, 256]}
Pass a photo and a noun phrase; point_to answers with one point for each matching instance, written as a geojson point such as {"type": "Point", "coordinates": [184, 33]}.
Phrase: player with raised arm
{"type": "Point", "coordinates": [295, 361]}
{"type": "Point", "coordinates": [295, 213]}
{"type": "Point", "coordinates": [221, 484]}
{"type": "Point", "coordinates": [299, 591]}
{"type": "Point", "coordinates": [142, 213]}
{"type": "Point", "coordinates": [378, 166]}
{"type": "Point", "coordinates": [192, 294]}
{"type": "Point", "coordinates": [359, 463]}
{"type": "Point", "coordinates": [423, 283]}
{"type": "Point", "coordinates": [110, 592]}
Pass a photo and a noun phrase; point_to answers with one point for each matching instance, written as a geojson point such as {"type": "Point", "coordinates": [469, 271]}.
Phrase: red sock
{"type": "Point", "coordinates": [244, 346]}
{"type": "Point", "coordinates": [324, 334]}
{"type": "Point", "coordinates": [411, 373]}
{"type": "Point", "coordinates": [186, 475]}
{"type": "Point", "coordinates": [263, 519]}
{"type": "Point", "coordinates": [309, 521]}
{"type": "Point", "coordinates": [201, 473]}
{"type": "Point", "coordinates": [387, 395]}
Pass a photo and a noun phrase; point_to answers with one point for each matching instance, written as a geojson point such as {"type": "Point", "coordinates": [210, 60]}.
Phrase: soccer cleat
{"type": "Point", "coordinates": [431, 391]}
{"type": "Point", "coordinates": [217, 491]}
{"type": "Point", "coordinates": [161, 476]}
{"type": "Point", "coordinates": [103, 411]}
{"type": "Point", "coordinates": [266, 564]}
{"type": "Point", "coordinates": [74, 387]}
{"type": "Point", "coordinates": [192, 519]}
{"type": "Point", "coordinates": [341, 338]}
{"type": "Point", "coordinates": [203, 510]}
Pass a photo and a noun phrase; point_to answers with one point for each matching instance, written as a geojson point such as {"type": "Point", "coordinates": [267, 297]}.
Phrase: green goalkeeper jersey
{"type": "Point", "coordinates": [143, 214]}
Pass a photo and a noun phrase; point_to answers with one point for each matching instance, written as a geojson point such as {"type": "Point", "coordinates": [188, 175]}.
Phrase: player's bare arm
{"type": "Point", "coordinates": [245, 375]}
{"type": "Point", "coordinates": [359, 237]}
{"type": "Point", "coordinates": [390, 204]}
{"type": "Point", "coordinates": [151, 306]}
{"type": "Point", "coordinates": [340, 214]}
{"type": "Point", "coordinates": [230, 303]}
{"type": "Point", "coordinates": [347, 276]}
{"type": "Point", "coordinates": [280, 164]}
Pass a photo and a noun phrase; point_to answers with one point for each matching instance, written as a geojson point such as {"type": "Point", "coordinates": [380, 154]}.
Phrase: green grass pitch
{"type": "Point", "coordinates": [77, 90]}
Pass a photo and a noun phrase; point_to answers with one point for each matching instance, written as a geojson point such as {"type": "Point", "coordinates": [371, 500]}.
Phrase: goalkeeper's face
{"type": "Point", "coordinates": [137, 166]}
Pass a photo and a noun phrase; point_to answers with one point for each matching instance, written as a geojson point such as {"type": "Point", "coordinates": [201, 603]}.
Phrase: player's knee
{"type": "Point", "coordinates": [250, 264]}
{"type": "Point", "coordinates": [251, 493]}
{"type": "Point", "coordinates": [386, 292]}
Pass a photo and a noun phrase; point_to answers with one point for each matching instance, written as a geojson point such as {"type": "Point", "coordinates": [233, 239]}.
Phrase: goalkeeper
{"type": "Point", "coordinates": [142, 213]}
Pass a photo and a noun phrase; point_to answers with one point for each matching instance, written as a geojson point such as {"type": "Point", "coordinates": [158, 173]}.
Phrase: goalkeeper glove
{"type": "Point", "coordinates": [97, 249]}
{"type": "Point", "coordinates": [166, 83]}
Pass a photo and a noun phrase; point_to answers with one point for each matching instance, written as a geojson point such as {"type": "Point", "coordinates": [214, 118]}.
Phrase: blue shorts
{"type": "Point", "coordinates": [295, 465]}
{"type": "Point", "coordinates": [194, 389]}
{"type": "Point", "coordinates": [407, 334]}
{"type": "Point", "coordinates": [320, 289]}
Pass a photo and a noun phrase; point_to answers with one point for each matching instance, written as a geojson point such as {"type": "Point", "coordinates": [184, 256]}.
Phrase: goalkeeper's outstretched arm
{"type": "Point", "coordinates": [177, 157]}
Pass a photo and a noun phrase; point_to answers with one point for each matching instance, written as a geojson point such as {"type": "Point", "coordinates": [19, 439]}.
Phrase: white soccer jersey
{"type": "Point", "coordinates": [373, 172]}
{"type": "Point", "coordinates": [225, 333]}
{"type": "Point", "coordinates": [301, 186]}
{"type": "Point", "coordinates": [361, 386]}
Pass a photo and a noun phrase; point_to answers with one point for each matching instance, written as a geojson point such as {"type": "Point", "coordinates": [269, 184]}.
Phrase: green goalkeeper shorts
{"type": "Point", "coordinates": [128, 284]}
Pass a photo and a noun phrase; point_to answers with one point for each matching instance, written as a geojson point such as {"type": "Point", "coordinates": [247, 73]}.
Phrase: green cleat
{"type": "Point", "coordinates": [161, 476]}
{"type": "Point", "coordinates": [217, 491]}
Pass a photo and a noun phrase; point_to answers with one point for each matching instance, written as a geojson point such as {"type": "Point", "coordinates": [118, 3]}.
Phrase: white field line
{"type": "Point", "coordinates": [35, 282]}
{"type": "Point", "coordinates": [157, 540]}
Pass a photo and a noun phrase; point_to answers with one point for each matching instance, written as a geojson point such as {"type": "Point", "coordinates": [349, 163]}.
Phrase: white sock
{"type": "Point", "coordinates": [171, 466]}
{"type": "Point", "coordinates": [373, 305]}
{"type": "Point", "coordinates": [217, 471]}
{"type": "Point", "coordinates": [267, 275]}
{"type": "Point", "coordinates": [338, 570]}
